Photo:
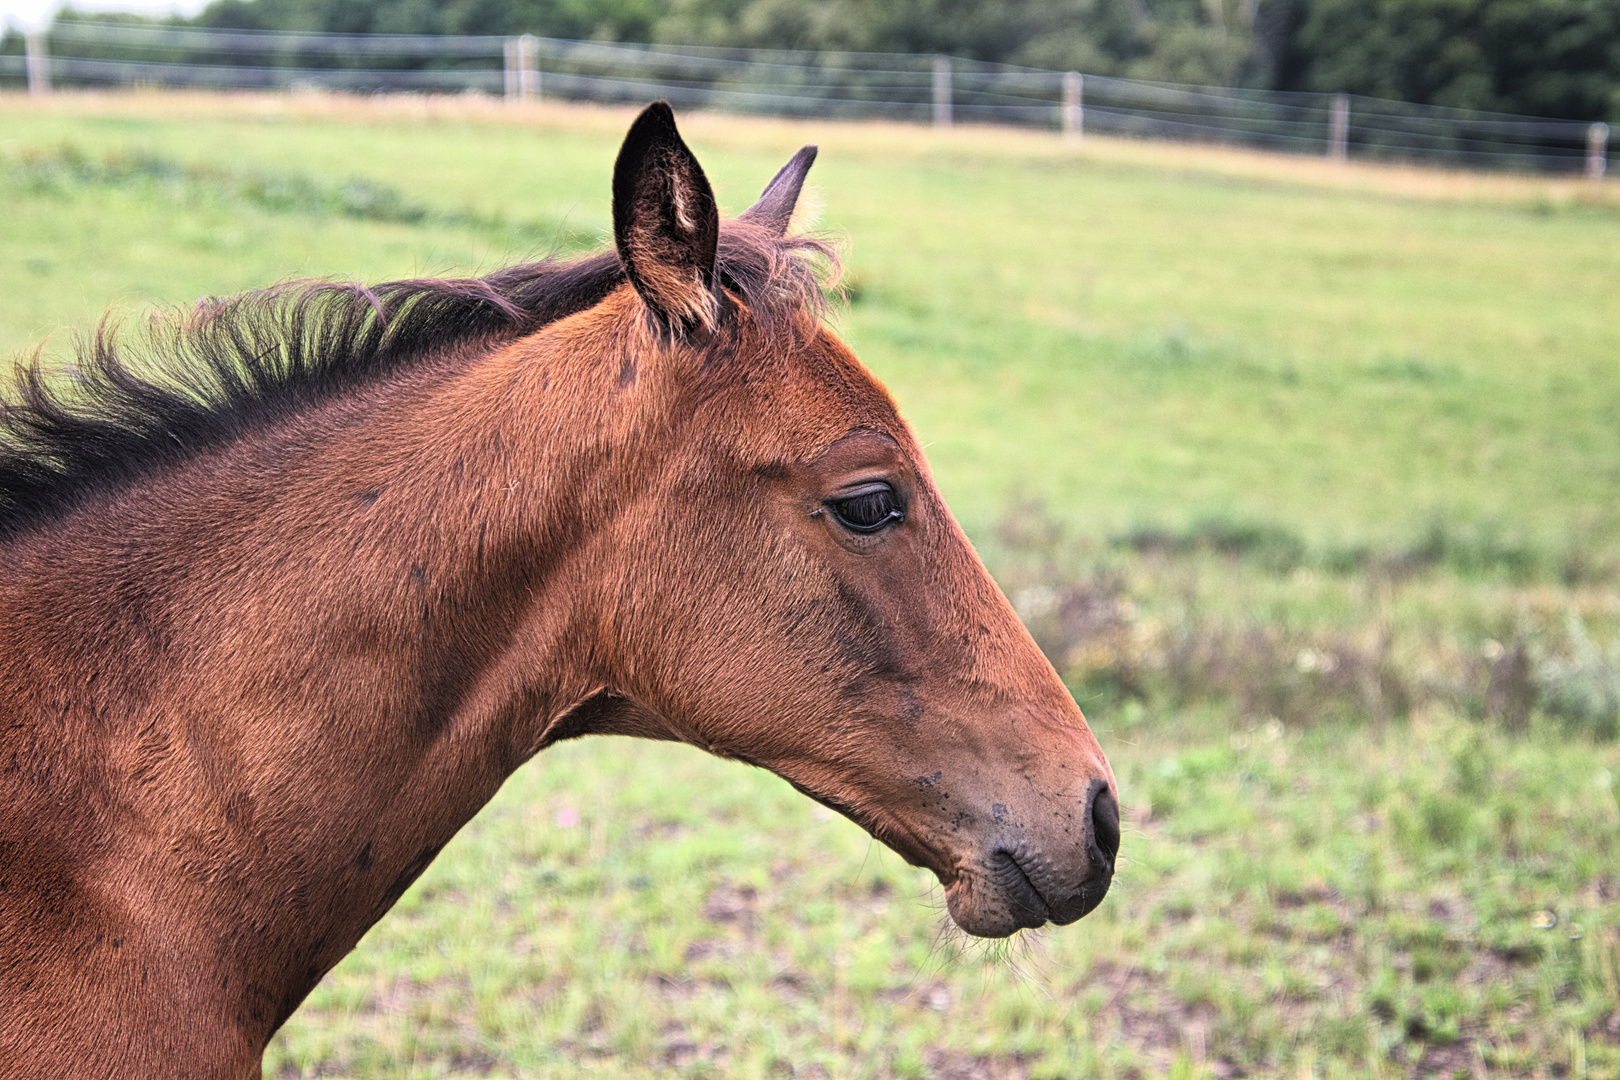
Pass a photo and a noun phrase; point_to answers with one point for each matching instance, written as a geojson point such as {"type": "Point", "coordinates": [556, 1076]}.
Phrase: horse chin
{"type": "Point", "coordinates": [984, 910]}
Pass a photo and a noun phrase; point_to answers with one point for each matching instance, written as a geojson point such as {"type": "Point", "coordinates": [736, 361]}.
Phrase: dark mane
{"type": "Point", "coordinates": [201, 377]}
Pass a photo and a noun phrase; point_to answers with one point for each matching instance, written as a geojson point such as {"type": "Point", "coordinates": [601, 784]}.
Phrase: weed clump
{"type": "Point", "coordinates": [1245, 617]}
{"type": "Point", "coordinates": [1583, 687]}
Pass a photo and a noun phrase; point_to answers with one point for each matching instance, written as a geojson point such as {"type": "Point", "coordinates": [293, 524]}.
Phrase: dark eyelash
{"type": "Point", "coordinates": [868, 510]}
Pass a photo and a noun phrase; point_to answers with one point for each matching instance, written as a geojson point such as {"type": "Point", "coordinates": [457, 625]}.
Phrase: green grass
{"type": "Point", "coordinates": [702, 919]}
{"type": "Point", "coordinates": [1269, 419]}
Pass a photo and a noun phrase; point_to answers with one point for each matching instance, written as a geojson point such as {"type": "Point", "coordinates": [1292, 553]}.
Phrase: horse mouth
{"type": "Point", "coordinates": [1010, 891]}
{"type": "Point", "coordinates": [1019, 891]}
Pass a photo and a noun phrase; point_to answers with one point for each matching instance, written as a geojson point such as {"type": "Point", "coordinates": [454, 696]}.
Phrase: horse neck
{"type": "Point", "coordinates": [322, 667]}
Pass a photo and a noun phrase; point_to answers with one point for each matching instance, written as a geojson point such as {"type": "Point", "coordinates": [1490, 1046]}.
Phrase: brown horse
{"type": "Point", "coordinates": [274, 626]}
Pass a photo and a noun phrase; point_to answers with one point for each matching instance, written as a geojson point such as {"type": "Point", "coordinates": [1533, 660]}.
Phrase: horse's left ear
{"type": "Point", "coordinates": [666, 224]}
{"type": "Point", "coordinates": [775, 206]}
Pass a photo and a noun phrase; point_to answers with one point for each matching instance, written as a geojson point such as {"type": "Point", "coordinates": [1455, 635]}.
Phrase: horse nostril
{"type": "Point", "coordinates": [1104, 824]}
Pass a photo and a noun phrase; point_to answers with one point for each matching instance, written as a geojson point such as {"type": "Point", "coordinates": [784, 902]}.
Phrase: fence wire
{"type": "Point", "coordinates": [798, 84]}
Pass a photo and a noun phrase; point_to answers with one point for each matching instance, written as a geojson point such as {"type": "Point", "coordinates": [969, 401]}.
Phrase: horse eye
{"type": "Point", "coordinates": [868, 509]}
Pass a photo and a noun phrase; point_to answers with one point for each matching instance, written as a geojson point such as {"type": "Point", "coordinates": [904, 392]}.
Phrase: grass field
{"type": "Point", "coordinates": [1304, 476]}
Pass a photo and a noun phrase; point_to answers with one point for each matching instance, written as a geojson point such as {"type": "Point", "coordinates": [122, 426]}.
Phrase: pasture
{"type": "Point", "coordinates": [1305, 477]}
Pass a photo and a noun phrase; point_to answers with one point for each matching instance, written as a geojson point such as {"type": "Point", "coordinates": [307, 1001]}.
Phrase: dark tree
{"type": "Point", "coordinates": [1541, 57]}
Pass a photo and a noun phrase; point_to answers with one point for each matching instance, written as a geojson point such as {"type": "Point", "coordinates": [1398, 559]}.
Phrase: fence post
{"type": "Point", "coordinates": [509, 68]}
{"type": "Point", "coordinates": [528, 66]}
{"type": "Point", "coordinates": [1074, 109]}
{"type": "Point", "coordinates": [1339, 128]}
{"type": "Point", "coordinates": [1597, 152]}
{"type": "Point", "coordinates": [38, 64]}
{"type": "Point", "coordinates": [942, 91]}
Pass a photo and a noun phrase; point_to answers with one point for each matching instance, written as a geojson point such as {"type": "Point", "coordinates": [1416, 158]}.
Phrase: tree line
{"type": "Point", "coordinates": [1558, 58]}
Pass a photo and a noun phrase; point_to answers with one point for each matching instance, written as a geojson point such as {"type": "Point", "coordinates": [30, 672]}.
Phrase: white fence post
{"type": "Point", "coordinates": [942, 91]}
{"type": "Point", "coordinates": [1597, 152]}
{"type": "Point", "coordinates": [1339, 128]}
{"type": "Point", "coordinates": [1074, 109]}
{"type": "Point", "coordinates": [528, 66]}
{"type": "Point", "coordinates": [38, 63]}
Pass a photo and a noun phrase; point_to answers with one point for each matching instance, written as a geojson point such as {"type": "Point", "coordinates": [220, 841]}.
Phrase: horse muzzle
{"type": "Point", "coordinates": [1023, 879]}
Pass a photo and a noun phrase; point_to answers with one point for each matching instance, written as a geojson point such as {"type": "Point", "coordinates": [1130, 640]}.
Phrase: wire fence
{"type": "Point", "coordinates": [926, 89]}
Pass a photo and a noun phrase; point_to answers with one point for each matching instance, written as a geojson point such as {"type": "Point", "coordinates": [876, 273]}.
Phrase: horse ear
{"type": "Point", "coordinates": [666, 223]}
{"type": "Point", "coordinates": [775, 206]}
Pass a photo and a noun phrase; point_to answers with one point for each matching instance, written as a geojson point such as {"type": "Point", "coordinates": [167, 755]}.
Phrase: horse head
{"type": "Point", "coordinates": [788, 588]}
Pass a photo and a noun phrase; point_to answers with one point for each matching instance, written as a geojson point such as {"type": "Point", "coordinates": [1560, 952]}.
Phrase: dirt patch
{"type": "Point", "coordinates": [472, 1063]}
{"type": "Point", "coordinates": [1154, 1021]}
{"type": "Point", "coordinates": [401, 997]}
{"type": "Point", "coordinates": [1448, 1060]}
{"type": "Point", "coordinates": [680, 1051]}
{"type": "Point", "coordinates": [678, 988]}
{"type": "Point", "coordinates": [933, 994]}
{"type": "Point", "coordinates": [955, 1065]}
{"type": "Point", "coordinates": [732, 905]}
{"type": "Point", "coordinates": [704, 948]}
{"type": "Point", "coordinates": [791, 985]}
{"type": "Point", "coordinates": [1312, 893]}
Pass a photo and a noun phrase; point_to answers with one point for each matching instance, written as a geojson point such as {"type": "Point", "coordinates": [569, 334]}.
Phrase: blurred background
{"type": "Point", "coordinates": [1269, 351]}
